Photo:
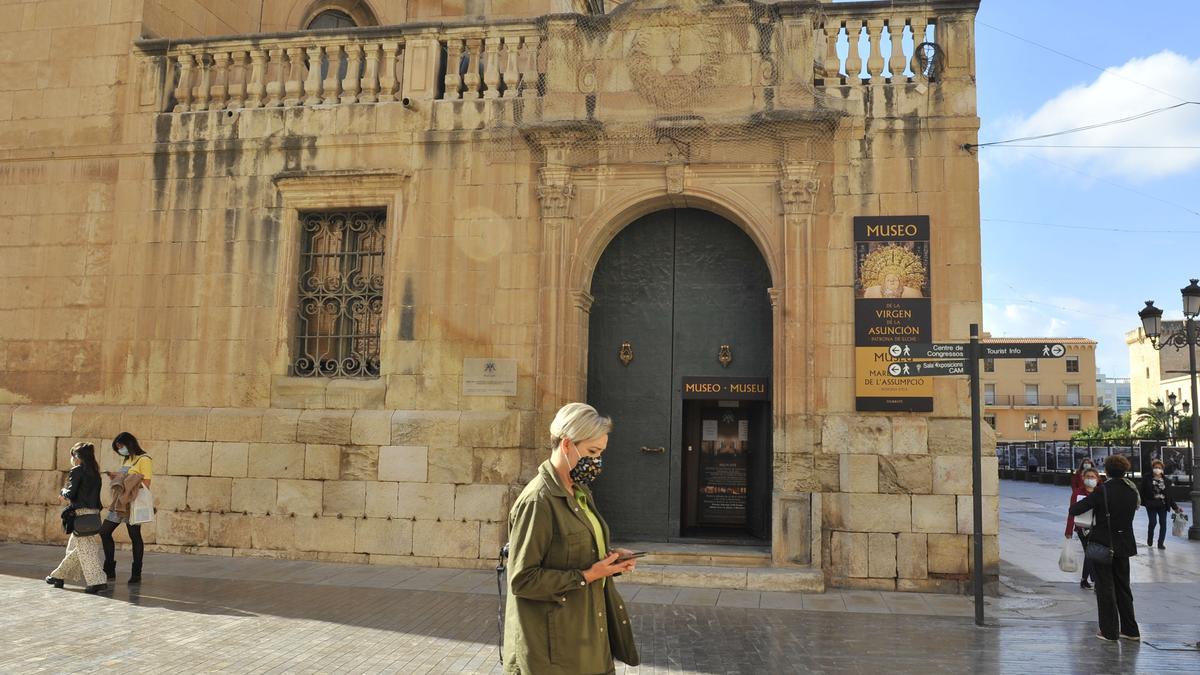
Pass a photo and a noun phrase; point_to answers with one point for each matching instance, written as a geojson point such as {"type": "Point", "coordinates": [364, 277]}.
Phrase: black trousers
{"type": "Point", "coordinates": [1089, 570]}
{"type": "Point", "coordinates": [1114, 599]}
{"type": "Point", "coordinates": [1158, 513]}
{"type": "Point", "coordinates": [110, 548]}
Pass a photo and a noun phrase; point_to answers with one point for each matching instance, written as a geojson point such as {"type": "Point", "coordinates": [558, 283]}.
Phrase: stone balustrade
{"type": "Point", "coordinates": [875, 45]}
{"type": "Point", "coordinates": [349, 66]}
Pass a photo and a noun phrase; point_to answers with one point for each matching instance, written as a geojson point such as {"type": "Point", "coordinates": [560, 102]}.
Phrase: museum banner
{"type": "Point", "coordinates": [891, 306]}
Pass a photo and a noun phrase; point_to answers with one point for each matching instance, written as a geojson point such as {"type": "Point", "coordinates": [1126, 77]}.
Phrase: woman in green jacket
{"type": "Point", "coordinates": [563, 616]}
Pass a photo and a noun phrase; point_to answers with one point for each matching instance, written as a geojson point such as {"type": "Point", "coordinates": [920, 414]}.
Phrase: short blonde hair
{"type": "Point", "coordinates": [578, 422]}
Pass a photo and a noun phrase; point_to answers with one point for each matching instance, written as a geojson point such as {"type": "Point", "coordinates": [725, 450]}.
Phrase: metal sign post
{"type": "Point", "coordinates": [976, 472]}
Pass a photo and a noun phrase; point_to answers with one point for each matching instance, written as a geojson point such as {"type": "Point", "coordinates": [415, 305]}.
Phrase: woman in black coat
{"type": "Point", "coordinates": [84, 560]}
{"type": "Point", "coordinates": [1156, 497]}
{"type": "Point", "coordinates": [1113, 505]}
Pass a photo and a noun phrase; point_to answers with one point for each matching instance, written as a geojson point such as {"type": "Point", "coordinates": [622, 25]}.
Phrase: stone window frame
{"type": "Point", "coordinates": [359, 11]}
{"type": "Point", "coordinates": [989, 365]}
{"type": "Point", "coordinates": [303, 191]}
{"type": "Point", "coordinates": [989, 395]}
{"type": "Point", "coordinates": [1077, 423]}
{"type": "Point", "coordinates": [1072, 360]}
{"type": "Point", "coordinates": [1031, 365]}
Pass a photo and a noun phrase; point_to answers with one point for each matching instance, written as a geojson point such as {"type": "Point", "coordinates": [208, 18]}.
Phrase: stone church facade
{"type": "Point", "coordinates": [337, 263]}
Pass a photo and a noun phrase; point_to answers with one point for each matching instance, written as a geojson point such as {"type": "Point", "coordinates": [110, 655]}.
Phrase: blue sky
{"type": "Point", "coordinates": [1066, 282]}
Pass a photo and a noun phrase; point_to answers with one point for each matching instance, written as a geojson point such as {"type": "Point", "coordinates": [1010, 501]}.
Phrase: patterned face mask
{"type": "Point", "coordinates": [587, 469]}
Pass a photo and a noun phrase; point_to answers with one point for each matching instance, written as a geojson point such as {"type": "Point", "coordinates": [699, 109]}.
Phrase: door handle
{"type": "Point", "coordinates": [653, 450]}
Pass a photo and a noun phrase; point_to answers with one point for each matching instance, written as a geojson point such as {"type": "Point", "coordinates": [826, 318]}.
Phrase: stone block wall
{"type": "Point", "coordinates": [897, 512]}
{"type": "Point", "coordinates": [354, 486]}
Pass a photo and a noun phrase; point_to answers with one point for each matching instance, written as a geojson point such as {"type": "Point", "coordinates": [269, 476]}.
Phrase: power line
{"type": "Point", "coordinates": [1092, 228]}
{"type": "Point", "coordinates": [1120, 185]}
{"type": "Point", "coordinates": [969, 146]}
{"type": "Point", "coordinates": [1108, 147]}
{"type": "Point", "coordinates": [1078, 60]}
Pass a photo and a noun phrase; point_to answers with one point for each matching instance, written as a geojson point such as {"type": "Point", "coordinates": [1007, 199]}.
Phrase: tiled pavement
{"type": "Point", "coordinates": [248, 615]}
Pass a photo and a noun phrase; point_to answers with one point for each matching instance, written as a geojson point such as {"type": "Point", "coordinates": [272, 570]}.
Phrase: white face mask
{"type": "Point", "coordinates": [124, 452]}
{"type": "Point", "coordinates": [1157, 471]}
{"type": "Point", "coordinates": [1086, 466]}
{"type": "Point", "coordinates": [1090, 482]}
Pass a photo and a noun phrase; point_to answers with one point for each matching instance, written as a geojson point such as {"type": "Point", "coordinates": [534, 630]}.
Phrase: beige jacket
{"type": "Point", "coordinates": [123, 492]}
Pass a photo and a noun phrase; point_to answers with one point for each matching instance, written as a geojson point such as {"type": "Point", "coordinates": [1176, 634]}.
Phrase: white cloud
{"type": "Point", "coordinates": [1114, 94]}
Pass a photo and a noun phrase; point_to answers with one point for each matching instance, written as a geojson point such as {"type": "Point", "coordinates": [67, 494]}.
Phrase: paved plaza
{"type": "Point", "coordinates": [216, 614]}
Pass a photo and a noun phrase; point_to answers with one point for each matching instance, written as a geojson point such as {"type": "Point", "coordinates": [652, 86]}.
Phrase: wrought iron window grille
{"type": "Point", "coordinates": [340, 300]}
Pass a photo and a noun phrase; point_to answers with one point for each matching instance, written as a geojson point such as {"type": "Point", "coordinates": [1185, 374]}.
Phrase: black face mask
{"type": "Point", "coordinates": [587, 469]}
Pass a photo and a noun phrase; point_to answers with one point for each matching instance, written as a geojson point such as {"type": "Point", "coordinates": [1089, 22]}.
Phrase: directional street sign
{"type": "Point", "coordinates": [993, 350]}
{"type": "Point", "coordinates": [928, 368]}
{"type": "Point", "coordinates": [1022, 350]}
{"type": "Point", "coordinates": [925, 350]}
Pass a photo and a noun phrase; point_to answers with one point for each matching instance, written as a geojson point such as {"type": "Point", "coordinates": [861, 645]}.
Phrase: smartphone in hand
{"type": "Point", "coordinates": [631, 556]}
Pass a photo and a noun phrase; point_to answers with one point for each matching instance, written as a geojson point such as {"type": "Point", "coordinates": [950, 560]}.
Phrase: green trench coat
{"type": "Point", "coordinates": [555, 622]}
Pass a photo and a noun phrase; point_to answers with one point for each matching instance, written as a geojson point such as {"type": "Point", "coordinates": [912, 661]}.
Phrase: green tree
{"type": "Point", "coordinates": [1151, 421]}
{"type": "Point", "coordinates": [1109, 419]}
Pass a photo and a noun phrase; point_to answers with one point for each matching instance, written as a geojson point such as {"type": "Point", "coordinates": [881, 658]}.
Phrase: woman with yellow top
{"type": "Point", "coordinates": [562, 616]}
{"type": "Point", "coordinates": [134, 460]}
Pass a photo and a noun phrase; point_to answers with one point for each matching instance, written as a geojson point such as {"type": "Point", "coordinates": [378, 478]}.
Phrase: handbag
{"type": "Point", "coordinates": [1066, 559]}
{"type": "Point", "coordinates": [1095, 552]}
{"type": "Point", "coordinates": [86, 525]}
{"type": "Point", "coordinates": [142, 508]}
{"type": "Point", "coordinates": [1179, 526]}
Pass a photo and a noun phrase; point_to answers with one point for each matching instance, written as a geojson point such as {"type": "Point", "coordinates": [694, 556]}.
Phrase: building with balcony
{"type": "Point", "coordinates": [338, 262]}
{"type": "Point", "coordinates": [1061, 392]}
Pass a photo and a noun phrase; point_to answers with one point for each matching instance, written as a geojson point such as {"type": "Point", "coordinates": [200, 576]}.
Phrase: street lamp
{"type": "Point", "coordinates": [1035, 424]}
{"type": "Point", "coordinates": [1151, 317]}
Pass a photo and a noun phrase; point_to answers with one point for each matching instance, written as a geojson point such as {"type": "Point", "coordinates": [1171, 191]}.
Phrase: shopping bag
{"type": "Point", "coordinates": [142, 508]}
{"type": "Point", "coordinates": [1066, 559]}
{"type": "Point", "coordinates": [1179, 526]}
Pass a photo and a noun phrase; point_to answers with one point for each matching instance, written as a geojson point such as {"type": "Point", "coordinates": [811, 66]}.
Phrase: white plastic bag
{"type": "Point", "coordinates": [1179, 526]}
{"type": "Point", "coordinates": [1066, 559]}
{"type": "Point", "coordinates": [142, 508]}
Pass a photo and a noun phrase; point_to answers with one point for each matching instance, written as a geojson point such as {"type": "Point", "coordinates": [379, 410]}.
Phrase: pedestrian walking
{"type": "Point", "coordinates": [1077, 478]}
{"type": "Point", "coordinates": [1081, 525]}
{"type": "Point", "coordinates": [1033, 461]}
{"type": "Point", "coordinates": [562, 615]}
{"type": "Point", "coordinates": [1156, 497]}
{"type": "Point", "coordinates": [81, 520]}
{"type": "Point", "coordinates": [1111, 543]}
{"type": "Point", "coordinates": [135, 472]}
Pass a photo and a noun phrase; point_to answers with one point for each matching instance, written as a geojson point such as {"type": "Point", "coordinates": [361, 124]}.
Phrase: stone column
{"type": "Point", "coordinates": [555, 192]}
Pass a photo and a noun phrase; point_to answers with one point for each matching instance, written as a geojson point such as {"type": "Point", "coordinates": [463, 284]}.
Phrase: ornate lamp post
{"type": "Point", "coordinates": [1151, 317]}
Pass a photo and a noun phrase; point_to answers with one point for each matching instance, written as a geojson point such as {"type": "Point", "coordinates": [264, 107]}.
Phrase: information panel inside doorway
{"type": "Point", "coordinates": [891, 306]}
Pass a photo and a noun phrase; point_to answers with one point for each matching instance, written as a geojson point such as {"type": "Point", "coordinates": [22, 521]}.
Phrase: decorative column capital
{"type": "Point", "coordinates": [555, 191]}
{"type": "Point", "coordinates": [798, 186]}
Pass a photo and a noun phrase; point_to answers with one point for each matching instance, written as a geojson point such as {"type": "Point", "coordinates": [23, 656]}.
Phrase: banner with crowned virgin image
{"type": "Point", "coordinates": [891, 307]}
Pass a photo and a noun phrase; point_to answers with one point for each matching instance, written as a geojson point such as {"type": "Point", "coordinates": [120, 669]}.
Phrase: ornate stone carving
{"type": "Point", "coordinates": [555, 191]}
{"type": "Point", "coordinates": [675, 178]}
{"type": "Point", "coordinates": [798, 186]}
{"type": "Point", "coordinates": [674, 59]}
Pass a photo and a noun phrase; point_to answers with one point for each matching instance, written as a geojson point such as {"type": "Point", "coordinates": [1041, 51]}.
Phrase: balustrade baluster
{"type": "Point", "coordinates": [275, 67]}
{"type": "Point", "coordinates": [333, 66]}
{"type": "Point", "coordinates": [831, 60]}
{"type": "Point", "coordinates": [512, 76]}
{"type": "Point", "coordinates": [255, 86]}
{"type": "Point", "coordinates": [853, 56]}
{"type": "Point", "coordinates": [183, 88]}
{"type": "Point", "coordinates": [453, 59]}
{"type": "Point", "coordinates": [203, 88]}
{"type": "Point", "coordinates": [387, 78]}
{"type": "Point", "coordinates": [294, 82]}
{"type": "Point", "coordinates": [491, 67]}
{"type": "Point", "coordinates": [529, 67]}
{"type": "Point", "coordinates": [220, 81]}
{"type": "Point", "coordinates": [875, 47]}
{"type": "Point", "coordinates": [351, 84]}
{"type": "Point", "coordinates": [312, 83]}
{"type": "Point", "coordinates": [471, 79]}
{"type": "Point", "coordinates": [370, 78]}
{"type": "Point", "coordinates": [237, 80]}
{"type": "Point", "coordinates": [896, 58]}
{"type": "Point", "coordinates": [918, 25]}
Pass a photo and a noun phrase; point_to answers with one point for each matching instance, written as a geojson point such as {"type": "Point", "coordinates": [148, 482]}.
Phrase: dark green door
{"type": "Point", "coordinates": [676, 285]}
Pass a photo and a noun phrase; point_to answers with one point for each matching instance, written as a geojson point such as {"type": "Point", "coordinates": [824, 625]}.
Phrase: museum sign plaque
{"type": "Point", "coordinates": [891, 307]}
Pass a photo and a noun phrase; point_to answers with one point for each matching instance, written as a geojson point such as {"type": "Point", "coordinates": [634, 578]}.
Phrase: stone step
{"type": "Point", "coordinates": [797, 579]}
{"type": "Point", "coordinates": [707, 555]}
